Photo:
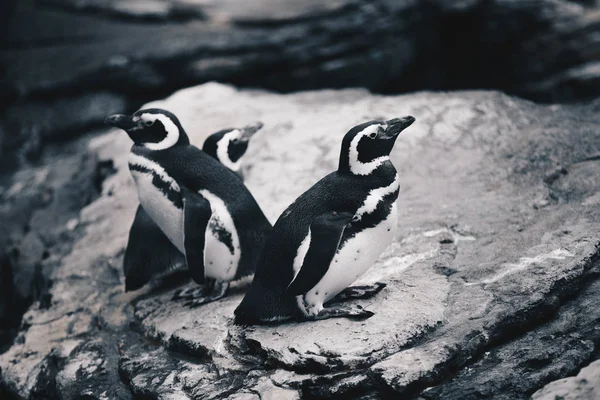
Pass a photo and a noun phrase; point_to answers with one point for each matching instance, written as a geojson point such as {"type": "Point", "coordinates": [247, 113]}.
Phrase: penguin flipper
{"type": "Point", "coordinates": [149, 253]}
{"type": "Point", "coordinates": [326, 232]}
{"type": "Point", "coordinates": [196, 214]}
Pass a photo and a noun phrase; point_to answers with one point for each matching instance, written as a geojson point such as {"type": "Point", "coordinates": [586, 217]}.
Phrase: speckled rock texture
{"type": "Point", "coordinates": [493, 269]}
{"type": "Point", "coordinates": [87, 58]}
{"type": "Point", "coordinates": [584, 386]}
{"type": "Point", "coordinates": [39, 207]}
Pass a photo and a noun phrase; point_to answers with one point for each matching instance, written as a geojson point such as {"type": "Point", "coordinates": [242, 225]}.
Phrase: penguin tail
{"type": "Point", "coordinates": [133, 284]}
{"type": "Point", "coordinates": [243, 316]}
{"type": "Point", "coordinates": [242, 320]}
{"type": "Point", "coordinates": [264, 306]}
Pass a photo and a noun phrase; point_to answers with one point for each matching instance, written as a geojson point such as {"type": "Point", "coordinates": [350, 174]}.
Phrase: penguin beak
{"type": "Point", "coordinates": [397, 125]}
{"type": "Point", "coordinates": [249, 130]}
{"type": "Point", "coordinates": [125, 122]}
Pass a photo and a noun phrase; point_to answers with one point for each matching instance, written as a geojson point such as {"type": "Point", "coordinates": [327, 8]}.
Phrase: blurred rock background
{"type": "Point", "coordinates": [66, 64]}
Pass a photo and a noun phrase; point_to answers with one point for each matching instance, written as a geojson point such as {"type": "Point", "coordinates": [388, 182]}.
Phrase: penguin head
{"type": "Point", "coordinates": [229, 145]}
{"type": "Point", "coordinates": [366, 146]}
{"type": "Point", "coordinates": [153, 128]}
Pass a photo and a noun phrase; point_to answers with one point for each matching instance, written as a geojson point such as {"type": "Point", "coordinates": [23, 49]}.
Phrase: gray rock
{"type": "Point", "coordinates": [517, 367]}
{"type": "Point", "coordinates": [474, 264]}
{"type": "Point", "coordinates": [39, 206]}
{"type": "Point", "coordinates": [33, 123]}
{"type": "Point", "coordinates": [584, 386]}
{"type": "Point", "coordinates": [544, 50]}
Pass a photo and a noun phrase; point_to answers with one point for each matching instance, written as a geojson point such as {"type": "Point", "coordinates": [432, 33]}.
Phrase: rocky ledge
{"type": "Point", "coordinates": [492, 281]}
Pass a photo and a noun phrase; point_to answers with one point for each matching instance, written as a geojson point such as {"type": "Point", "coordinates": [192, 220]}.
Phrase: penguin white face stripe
{"type": "Point", "coordinates": [364, 168]}
{"type": "Point", "coordinates": [222, 150]}
{"type": "Point", "coordinates": [375, 196]}
{"type": "Point", "coordinates": [143, 162]}
{"type": "Point", "coordinates": [172, 131]}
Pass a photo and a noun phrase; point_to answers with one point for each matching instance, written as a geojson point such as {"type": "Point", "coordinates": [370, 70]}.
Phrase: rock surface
{"type": "Point", "coordinates": [583, 387]}
{"type": "Point", "coordinates": [107, 53]}
{"type": "Point", "coordinates": [39, 210]}
{"type": "Point", "coordinates": [497, 251]}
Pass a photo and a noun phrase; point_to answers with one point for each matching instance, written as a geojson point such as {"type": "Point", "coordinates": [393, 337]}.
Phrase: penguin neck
{"type": "Point", "coordinates": [356, 168]}
{"type": "Point", "coordinates": [224, 158]}
{"type": "Point", "coordinates": [234, 166]}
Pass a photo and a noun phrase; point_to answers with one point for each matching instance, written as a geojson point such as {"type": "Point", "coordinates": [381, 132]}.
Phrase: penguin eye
{"type": "Point", "coordinates": [235, 141]}
{"type": "Point", "coordinates": [373, 135]}
{"type": "Point", "coordinates": [356, 217]}
{"type": "Point", "coordinates": [149, 123]}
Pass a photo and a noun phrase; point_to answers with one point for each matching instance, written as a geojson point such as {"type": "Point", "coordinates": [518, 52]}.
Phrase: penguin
{"type": "Point", "coordinates": [229, 145]}
{"type": "Point", "coordinates": [330, 235]}
{"type": "Point", "coordinates": [201, 206]}
{"type": "Point", "coordinates": [149, 253]}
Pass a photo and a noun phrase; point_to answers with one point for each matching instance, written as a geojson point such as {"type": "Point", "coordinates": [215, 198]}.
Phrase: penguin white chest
{"type": "Point", "coordinates": [221, 247]}
{"type": "Point", "coordinates": [160, 208]}
{"type": "Point", "coordinates": [222, 244]}
{"type": "Point", "coordinates": [222, 250]}
{"type": "Point", "coordinates": [354, 259]}
{"type": "Point", "coordinates": [356, 255]}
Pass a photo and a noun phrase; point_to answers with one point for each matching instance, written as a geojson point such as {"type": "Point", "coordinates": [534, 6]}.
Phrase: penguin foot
{"type": "Point", "coordinates": [358, 292]}
{"type": "Point", "coordinates": [188, 293]}
{"type": "Point", "coordinates": [195, 292]}
{"type": "Point", "coordinates": [218, 291]}
{"type": "Point", "coordinates": [353, 312]}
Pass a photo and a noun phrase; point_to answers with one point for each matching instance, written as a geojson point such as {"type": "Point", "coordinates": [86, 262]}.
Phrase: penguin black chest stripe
{"type": "Point", "coordinates": [224, 236]}
{"type": "Point", "coordinates": [160, 179]}
{"type": "Point", "coordinates": [374, 210]}
{"type": "Point", "coordinates": [173, 195]}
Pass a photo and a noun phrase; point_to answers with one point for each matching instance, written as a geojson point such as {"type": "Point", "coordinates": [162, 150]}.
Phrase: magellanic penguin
{"type": "Point", "coordinates": [149, 253]}
{"type": "Point", "coordinates": [330, 235]}
{"type": "Point", "coordinates": [229, 145]}
{"type": "Point", "coordinates": [203, 207]}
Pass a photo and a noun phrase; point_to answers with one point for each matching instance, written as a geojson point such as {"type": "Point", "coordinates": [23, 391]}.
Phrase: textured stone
{"type": "Point", "coordinates": [38, 207]}
{"type": "Point", "coordinates": [516, 368]}
{"type": "Point", "coordinates": [544, 50]}
{"type": "Point", "coordinates": [34, 123]}
{"type": "Point", "coordinates": [584, 386]}
{"type": "Point", "coordinates": [497, 230]}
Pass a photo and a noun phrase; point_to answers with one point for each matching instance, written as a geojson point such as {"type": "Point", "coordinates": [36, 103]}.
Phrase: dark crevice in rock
{"type": "Point", "coordinates": [5, 393]}
{"type": "Point", "coordinates": [180, 351]}
{"type": "Point", "coordinates": [45, 384]}
{"type": "Point", "coordinates": [248, 352]}
{"type": "Point", "coordinates": [104, 169]}
{"type": "Point", "coordinates": [332, 387]}
{"type": "Point", "coordinates": [10, 312]}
